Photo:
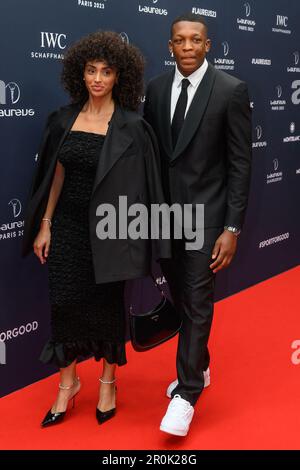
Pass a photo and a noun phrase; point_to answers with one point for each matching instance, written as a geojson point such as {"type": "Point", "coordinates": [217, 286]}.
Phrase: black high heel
{"type": "Point", "coordinates": [103, 416]}
{"type": "Point", "coordinates": [55, 418]}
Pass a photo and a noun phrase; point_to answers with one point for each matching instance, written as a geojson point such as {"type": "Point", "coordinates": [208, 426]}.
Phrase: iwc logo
{"type": "Point", "coordinates": [281, 25]}
{"type": "Point", "coordinates": [52, 46]}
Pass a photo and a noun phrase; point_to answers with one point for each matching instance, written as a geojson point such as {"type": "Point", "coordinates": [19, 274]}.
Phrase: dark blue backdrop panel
{"type": "Point", "coordinates": [257, 41]}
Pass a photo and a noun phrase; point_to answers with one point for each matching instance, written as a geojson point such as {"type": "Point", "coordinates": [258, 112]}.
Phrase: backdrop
{"type": "Point", "coordinates": [257, 41]}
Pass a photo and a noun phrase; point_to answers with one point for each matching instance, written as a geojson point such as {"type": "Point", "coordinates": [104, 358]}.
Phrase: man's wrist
{"type": "Point", "coordinates": [231, 228]}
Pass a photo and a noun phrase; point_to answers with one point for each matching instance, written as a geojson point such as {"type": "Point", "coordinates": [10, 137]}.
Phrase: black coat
{"type": "Point", "coordinates": [128, 166]}
{"type": "Point", "coordinates": [211, 161]}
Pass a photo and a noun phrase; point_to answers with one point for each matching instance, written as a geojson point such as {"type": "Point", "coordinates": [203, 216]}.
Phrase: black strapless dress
{"type": "Point", "coordinates": [86, 318]}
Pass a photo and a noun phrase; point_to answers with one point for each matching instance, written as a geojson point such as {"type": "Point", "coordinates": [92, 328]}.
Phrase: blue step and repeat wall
{"type": "Point", "coordinates": [258, 41]}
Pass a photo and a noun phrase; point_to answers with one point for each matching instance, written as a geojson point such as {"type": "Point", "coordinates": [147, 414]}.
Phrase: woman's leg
{"type": "Point", "coordinates": [68, 378]}
{"type": "Point", "coordinates": [107, 395]}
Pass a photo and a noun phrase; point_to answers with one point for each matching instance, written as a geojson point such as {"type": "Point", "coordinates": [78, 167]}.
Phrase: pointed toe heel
{"type": "Point", "coordinates": [103, 416]}
{"type": "Point", "coordinates": [52, 418]}
{"type": "Point", "coordinates": [56, 418]}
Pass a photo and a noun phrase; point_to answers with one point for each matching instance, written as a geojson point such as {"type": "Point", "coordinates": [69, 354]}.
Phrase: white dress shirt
{"type": "Point", "coordinates": [195, 79]}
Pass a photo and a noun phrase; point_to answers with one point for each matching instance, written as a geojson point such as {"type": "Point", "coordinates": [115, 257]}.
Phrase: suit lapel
{"type": "Point", "coordinates": [115, 144]}
{"type": "Point", "coordinates": [164, 113]}
{"type": "Point", "coordinates": [195, 112]}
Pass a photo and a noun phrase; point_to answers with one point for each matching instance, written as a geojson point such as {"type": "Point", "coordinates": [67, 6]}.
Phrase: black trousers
{"type": "Point", "coordinates": [191, 282]}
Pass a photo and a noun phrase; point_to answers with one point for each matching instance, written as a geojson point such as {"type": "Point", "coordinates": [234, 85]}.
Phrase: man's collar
{"type": "Point", "coordinates": [194, 78]}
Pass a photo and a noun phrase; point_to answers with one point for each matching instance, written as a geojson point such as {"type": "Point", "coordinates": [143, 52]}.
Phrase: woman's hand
{"type": "Point", "coordinates": [41, 244]}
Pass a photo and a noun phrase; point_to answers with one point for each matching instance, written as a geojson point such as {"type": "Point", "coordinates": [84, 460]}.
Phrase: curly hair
{"type": "Point", "coordinates": [108, 47]}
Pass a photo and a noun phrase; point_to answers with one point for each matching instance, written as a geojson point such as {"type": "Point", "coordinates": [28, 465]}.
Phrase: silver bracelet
{"type": "Point", "coordinates": [48, 220]}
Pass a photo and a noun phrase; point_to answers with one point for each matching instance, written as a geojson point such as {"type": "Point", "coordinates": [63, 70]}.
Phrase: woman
{"type": "Point", "coordinates": [92, 151]}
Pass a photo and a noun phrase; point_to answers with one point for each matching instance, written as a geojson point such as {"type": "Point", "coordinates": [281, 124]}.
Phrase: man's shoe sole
{"type": "Point", "coordinates": [175, 432]}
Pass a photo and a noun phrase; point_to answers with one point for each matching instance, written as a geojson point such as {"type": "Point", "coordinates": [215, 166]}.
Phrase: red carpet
{"type": "Point", "coordinates": [252, 403]}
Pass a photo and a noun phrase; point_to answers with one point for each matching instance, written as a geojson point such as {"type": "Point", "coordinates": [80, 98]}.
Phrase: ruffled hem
{"type": "Point", "coordinates": [63, 354]}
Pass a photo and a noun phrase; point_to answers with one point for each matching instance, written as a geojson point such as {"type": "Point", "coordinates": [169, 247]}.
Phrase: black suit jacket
{"type": "Point", "coordinates": [211, 162]}
{"type": "Point", "coordinates": [128, 166]}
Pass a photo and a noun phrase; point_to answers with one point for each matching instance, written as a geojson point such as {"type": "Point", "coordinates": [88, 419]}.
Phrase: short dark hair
{"type": "Point", "coordinates": [105, 46]}
{"type": "Point", "coordinates": [189, 17]}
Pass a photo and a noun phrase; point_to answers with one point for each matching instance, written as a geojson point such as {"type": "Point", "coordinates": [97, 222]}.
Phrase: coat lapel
{"type": "Point", "coordinates": [63, 126]}
{"type": "Point", "coordinates": [58, 132]}
{"type": "Point", "coordinates": [115, 144]}
{"type": "Point", "coordinates": [195, 112]}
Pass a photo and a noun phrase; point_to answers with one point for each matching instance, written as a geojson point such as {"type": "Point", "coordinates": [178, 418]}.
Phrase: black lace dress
{"type": "Point", "coordinates": [86, 318]}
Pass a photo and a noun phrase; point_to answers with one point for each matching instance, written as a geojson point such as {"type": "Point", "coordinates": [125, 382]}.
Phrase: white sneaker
{"type": "Point", "coordinates": [174, 384]}
{"type": "Point", "coordinates": [178, 417]}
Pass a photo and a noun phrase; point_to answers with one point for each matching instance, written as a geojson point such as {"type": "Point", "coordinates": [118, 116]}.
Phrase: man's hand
{"type": "Point", "coordinates": [224, 250]}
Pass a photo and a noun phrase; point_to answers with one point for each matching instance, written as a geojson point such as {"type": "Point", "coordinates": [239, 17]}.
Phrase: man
{"type": "Point", "coordinates": [202, 119]}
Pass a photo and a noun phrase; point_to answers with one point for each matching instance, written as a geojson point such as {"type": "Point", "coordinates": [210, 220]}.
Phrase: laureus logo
{"type": "Point", "coordinates": [295, 67]}
{"type": "Point", "coordinates": [259, 132]}
{"type": "Point", "coordinates": [10, 93]}
{"type": "Point", "coordinates": [16, 207]}
{"type": "Point", "coordinates": [279, 91]}
{"type": "Point", "coordinates": [9, 96]}
{"type": "Point", "coordinates": [248, 9]}
{"type": "Point", "coordinates": [154, 10]}
{"type": "Point", "coordinates": [275, 176]}
{"type": "Point", "coordinates": [278, 104]}
{"type": "Point", "coordinates": [224, 63]}
{"type": "Point", "coordinates": [124, 37]}
{"type": "Point", "coordinates": [225, 48]}
{"type": "Point", "coordinates": [246, 24]}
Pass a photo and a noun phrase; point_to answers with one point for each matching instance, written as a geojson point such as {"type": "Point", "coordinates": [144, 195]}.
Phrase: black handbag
{"type": "Point", "coordinates": [150, 329]}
